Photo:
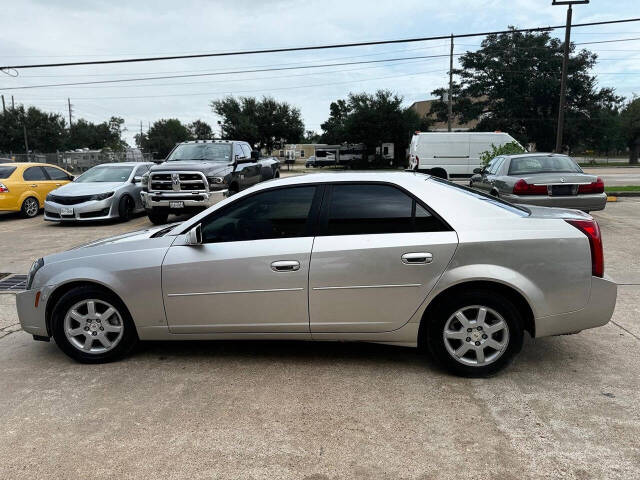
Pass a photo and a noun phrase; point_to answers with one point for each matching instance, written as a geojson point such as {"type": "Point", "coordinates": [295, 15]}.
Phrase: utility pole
{"type": "Point", "coordinates": [12, 104]}
{"type": "Point", "coordinates": [4, 110]}
{"type": "Point", "coordinates": [69, 104]}
{"type": "Point", "coordinates": [449, 100]}
{"type": "Point", "coordinates": [565, 60]}
{"type": "Point", "coordinates": [140, 130]}
{"type": "Point", "coordinates": [26, 143]}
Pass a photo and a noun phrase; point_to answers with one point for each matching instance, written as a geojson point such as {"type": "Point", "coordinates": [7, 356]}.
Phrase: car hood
{"type": "Point", "coordinates": [546, 178]}
{"type": "Point", "coordinates": [89, 188]}
{"type": "Point", "coordinates": [128, 237]}
{"type": "Point", "coordinates": [208, 168]}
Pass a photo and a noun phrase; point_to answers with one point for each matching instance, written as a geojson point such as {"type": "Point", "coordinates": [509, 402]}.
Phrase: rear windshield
{"type": "Point", "coordinates": [5, 172]}
{"type": "Point", "coordinates": [542, 164]}
{"type": "Point", "coordinates": [517, 209]}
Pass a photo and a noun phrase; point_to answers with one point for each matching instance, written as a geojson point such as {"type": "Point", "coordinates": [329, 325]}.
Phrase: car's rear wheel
{"type": "Point", "coordinates": [475, 334]}
{"type": "Point", "coordinates": [30, 207]}
{"type": "Point", "coordinates": [92, 325]}
{"type": "Point", "coordinates": [125, 208]}
{"type": "Point", "coordinates": [158, 217]}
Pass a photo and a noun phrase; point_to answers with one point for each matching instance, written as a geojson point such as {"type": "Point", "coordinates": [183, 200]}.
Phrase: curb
{"type": "Point", "coordinates": [623, 194]}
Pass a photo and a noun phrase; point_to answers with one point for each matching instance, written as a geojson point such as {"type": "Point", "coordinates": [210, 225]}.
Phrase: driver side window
{"type": "Point", "coordinates": [280, 213]}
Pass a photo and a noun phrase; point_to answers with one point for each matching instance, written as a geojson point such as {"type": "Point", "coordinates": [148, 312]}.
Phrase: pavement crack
{"type": "Point", "coordinates": [629, 332]}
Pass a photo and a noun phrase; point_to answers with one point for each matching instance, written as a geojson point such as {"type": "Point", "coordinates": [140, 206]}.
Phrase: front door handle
{"type": "Point", "coordinates": [417, 258]}
{"type": "Point", "coordinates": [33, 185]}
{"type": "Point", "coordinates": [285, 266]}
{"type": "Point", "coordinates": [58, 184]}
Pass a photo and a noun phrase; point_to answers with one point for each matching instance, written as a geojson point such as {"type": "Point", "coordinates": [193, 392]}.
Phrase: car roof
{"type": "Point", "coordinates": [209, 141]}
{"type": "Point", "coordinates": [122, 164]}
{"type": "Point", "coordinates": [31, 164]}
{"type": "Point", "coordinates": [399, 177]}
{"type": "Point", "coordinates": [534, 154]}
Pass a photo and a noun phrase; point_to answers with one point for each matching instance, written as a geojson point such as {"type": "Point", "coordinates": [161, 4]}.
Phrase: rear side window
{"type": "Point", "coordinates": [373, 209]}
{"type": "Point", "coordinates": [56, 174]}
{"type": "Point", "coordinates": [5, 172]}
{"type": "Point", "coordinates": [34, 173]}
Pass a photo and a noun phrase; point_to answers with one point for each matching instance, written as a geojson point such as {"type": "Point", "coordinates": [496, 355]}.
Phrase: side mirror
{"type": "Point", "coordinates": [255, 154]}
{"type": "Point", "coordinates": [194, 236]}
{"type": "Point", "coordinates": [137, 179]}
{"type": "Point", "coordinates": [72, 178]}
{"type": "Point", "coordinates": [478, 170]}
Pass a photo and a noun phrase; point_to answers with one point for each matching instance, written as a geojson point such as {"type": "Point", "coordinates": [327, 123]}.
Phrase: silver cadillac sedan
{"type": "Point", "coordinates": [104, 192]}
{"type": "Point", "coordinates": [545, 179]}
{"type": "Point", "coordinates": [399, 258]}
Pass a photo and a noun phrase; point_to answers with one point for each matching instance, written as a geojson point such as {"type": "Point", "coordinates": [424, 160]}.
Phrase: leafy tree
{"type": "Point", "coordinates": [264, 123]}
{"type": "Point", "coordinates": [310, 136]}
{"type": "Point", "coordinates": [512, 83]}
{"type": "Point", "coordinates": [45, 131]}
{"type": "Point", "coordinates": [162, 137]}
{"type": "Point", "coordinates": [85, 134]}
{"type": "Point", "coordinates": [506, 149]}
{"type": "Point", "coordinates": [200, 130]}
{"type": "Point", "coordinates": [630, 122]}
{"type": "Point", "coordinates": [371, 119]}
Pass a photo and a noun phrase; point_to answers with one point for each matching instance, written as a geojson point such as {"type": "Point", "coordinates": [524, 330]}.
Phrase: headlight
{"type": "Point", "coordinates": [102, 196]}
{"type": "Point", "coordinates": [216, 180]}
{"type": "Point", "coordinates": [37, 265]}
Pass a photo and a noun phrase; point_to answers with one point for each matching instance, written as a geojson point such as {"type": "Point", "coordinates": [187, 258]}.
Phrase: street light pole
{"type": "Point", "coordinates": [565, 61]}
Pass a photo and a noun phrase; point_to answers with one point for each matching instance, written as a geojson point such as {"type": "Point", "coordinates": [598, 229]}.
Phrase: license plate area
{"type": "Point", "coordinates": [66, 211]}
{"type": "Point", "coordinates": [562, 190]}
{"type": "Point", "coordinates": [176, 204]}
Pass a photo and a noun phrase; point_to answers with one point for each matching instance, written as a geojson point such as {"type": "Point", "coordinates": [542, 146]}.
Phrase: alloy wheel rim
{"type": "Point", "coordinates": [476, 335]}
{"type": "Point", "coordinates": [93, 326]}
{"type": "Point", "coordinates": [31, 207]}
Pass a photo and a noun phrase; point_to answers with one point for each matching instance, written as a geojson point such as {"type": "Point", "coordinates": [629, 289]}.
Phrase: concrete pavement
{"type": "Point", "coordinates": [569, 407]}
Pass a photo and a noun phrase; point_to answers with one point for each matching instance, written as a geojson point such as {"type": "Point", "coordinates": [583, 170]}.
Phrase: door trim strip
{"type": "Point", "coordinates": [236, 291]}
{"type": "Point", "coordinates": [368, 286]}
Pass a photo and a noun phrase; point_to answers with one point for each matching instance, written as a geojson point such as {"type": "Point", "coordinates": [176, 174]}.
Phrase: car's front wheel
{"type": "Point", "coordinates": [158, 217]}
{"type": "Point", "coordinates": [126, 207]}
{"type": "Point", "coordinates": [92, 325]}
{"type": "Point", "coordinates": [475, 334]}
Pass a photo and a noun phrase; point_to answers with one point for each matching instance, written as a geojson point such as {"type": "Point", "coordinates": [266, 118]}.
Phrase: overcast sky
{"type": "Point", "coordinates": [51, 31]}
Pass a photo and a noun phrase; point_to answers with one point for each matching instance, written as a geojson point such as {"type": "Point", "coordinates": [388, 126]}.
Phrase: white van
{"type": "Point", "coordinates": [452, 154]}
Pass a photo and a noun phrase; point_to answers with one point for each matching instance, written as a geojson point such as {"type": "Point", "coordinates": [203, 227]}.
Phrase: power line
{"type": "Point", "coordinates": [232, 72]}
{"type": "Point", "coordinates": [307, 48]}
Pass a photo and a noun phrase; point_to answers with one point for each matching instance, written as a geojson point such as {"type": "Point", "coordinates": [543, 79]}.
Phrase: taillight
{"type": "Point", "coordinates": [593, 187]}
{"type": "Point", "coordinates": [3, 188]}
{"type": "Point", "coordinates": [591, 229]}
{"type": "Point", "coordinates": [523, 188]}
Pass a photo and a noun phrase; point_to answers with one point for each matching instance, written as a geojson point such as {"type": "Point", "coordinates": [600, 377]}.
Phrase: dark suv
{"type": "Point", "coordinates": [199, 173]}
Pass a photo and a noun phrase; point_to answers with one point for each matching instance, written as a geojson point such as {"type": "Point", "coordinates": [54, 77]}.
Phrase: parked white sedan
{"type": "Point", "coordinates": [399, 258]}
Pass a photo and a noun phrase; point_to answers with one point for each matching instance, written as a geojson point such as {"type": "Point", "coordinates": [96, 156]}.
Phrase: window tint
{"type": "Point", "coordinates": [494, 165]}
{"type": "Point", "coordinates": [246, 150]}
{"type": "Point", "coordinates": [371, 209]}
{"type": "Point", "coordinates": [542, 164]}
{"type": "Point", "coordinates": [5, 172]}
{"type": "Point", "coordinates": [34, 173]}
{"type": "Point", "coordinates": [142, 169]}
{"type": "Point", "coordinates": [56, 174]}
{"type": "Point", "coordinates": [281, 213]}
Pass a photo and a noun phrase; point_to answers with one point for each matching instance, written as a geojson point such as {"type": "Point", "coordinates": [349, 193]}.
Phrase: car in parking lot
{"type": "Point", "coordinates": [399, 258]}
{"type": "Point", "coordinates": [545, 179]}
{"type": "Point", "coordinates": [107, 191]}
{"type": "Point", "coordinates": [24, 186]}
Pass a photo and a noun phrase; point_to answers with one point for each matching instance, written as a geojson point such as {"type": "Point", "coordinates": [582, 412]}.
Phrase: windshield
{"type": "Point", "coordinates": [542, 164]}
{"type": "Point", "coordinates": [105, 174]}
{"type": "Point", "coordinates": [5, 172]}
{"type": "Point", "coordinates": [498, 202]}
{"type": "Point", "coordinates": [211, 152]}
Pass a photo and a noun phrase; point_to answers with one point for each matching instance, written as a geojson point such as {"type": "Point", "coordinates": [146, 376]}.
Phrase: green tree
{"type": "Point", "coordinates": [162, 137]}
{"type": "Point", "coordinates": [506, 149]}
{"type": "Point", "coordinates": [630, 123]}
{"type": "Point", "coordinates": [201, 130]}
{"type": "Point", "coordinates": [372, 119]}
{"type": "Point", "coordinates": [85, 134]}
{"type": "Point", "coordinates": [512, 83]}
{"type": "Point", "coordinates": [46, 131]}
{"type": "Point", "coordinates": [264, 123]}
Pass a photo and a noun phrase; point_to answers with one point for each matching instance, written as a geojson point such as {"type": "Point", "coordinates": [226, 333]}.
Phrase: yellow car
{"type": "Point", "coordinates": [24, 186]}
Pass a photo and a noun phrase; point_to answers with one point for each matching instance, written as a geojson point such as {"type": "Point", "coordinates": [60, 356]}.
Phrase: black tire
{"type": "Point", "coordinates": [125, 344]}
{"type": "Point", "coordinates": [126, 206]}
{"type": "Point", "coordinates": [440, 173]}
{"type": "Point", "coordinates": [27, 209]}
{"type": "Point", "coordinates": [434, 331]}
{"type": "Point", "coordinates": [277, 174]}
{"type": "Point", "coordinates": [233, 189]}
{"type": "Point", "coordinates": [157, 217]}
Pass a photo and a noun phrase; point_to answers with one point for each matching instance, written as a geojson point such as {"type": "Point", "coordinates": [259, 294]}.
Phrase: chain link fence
{"type": "Point", "coordinates": [78, 162]}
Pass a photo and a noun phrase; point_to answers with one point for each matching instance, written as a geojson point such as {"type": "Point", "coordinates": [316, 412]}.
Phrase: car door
{"type": "Point", "coordinates": [37, 183]}
{"type": "Point", "coordinates": [378, 254]}
{"type": "Point", "coordinates": [56, 177]}
{"type": "Point", "coordinates": [488, 175]}
{"type": "Point", "coordinates": [253, 169]}
{"type": "Point", "coordinates": [251, 272]}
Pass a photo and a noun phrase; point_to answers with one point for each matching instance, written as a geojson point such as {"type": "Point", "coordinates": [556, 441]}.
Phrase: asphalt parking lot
{"type": "Point", "coordinates": [568, 407]}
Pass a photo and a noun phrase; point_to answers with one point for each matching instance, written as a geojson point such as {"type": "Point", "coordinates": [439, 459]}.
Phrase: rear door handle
{"type": "Point", "coordinates": [58, 184]}
{"type": "Point", "coordinates": [417, 258]}
{"type": "Point", "coordinates": [285, 266]}
{"type": "Point", "coordinates": [34, 185]}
